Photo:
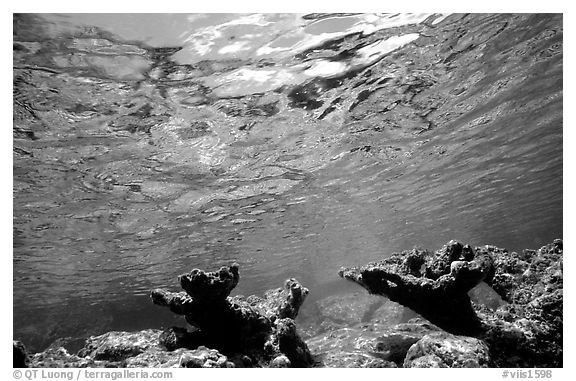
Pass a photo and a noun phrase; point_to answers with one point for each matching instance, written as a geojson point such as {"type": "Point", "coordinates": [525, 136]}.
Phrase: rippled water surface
{"type": "Point", "coordinates": [147, 145]}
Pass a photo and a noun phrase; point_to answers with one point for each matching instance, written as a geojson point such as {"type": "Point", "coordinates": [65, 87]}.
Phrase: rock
{"type": "Point", "coordinates": [117, 346]}
{"type": "Point", "coordinates": [204, 358]}
{"type": "Point", "coordinates": [156, 358]}
{"type": "Point", "coordinates": [291, 344]}
{"type": "Point", "coordinates": [177, 337]}
{"type": "Point", "coordinates": [141, 355]}
{"type": "Point", "coordinates": [230, 325]}
{"type": "Point", "coordinates": [443, 350]}
{"type": "Point", "coordinates": [368, 344]}
{"type": "Point", "coordinates": [394, 343]}
{"type": "Point", "coordinates": [112, 349]}
{"type": "Point", "coordinates": [282, 302]}
{"type": "Point", "coordinates": [355, 359]}
{"type": "Point", "coordinates": [19, 355]}
{"type": "Point", "coordinates": [521, 277]}
{"type": "Point", "coordinates": [342, 339]}
{"type": "Point", "coordinates": [434, 285]}
{"type": "Point", "coordinates": [243, 361]}
{"type": "Point", "coordinates": [58, 357]}
{"type": "Point", "coordinates": [206, 287]}
{"type": "Point", "coordinates": [280, 362]}
{"type": "Point", "coordinates": [522, 327]}
{"type": "Point", "coordinates": [250, 331]}
{"type": "Point", "coordinates": [528, 331]}
{"type": "Point", "coordinates": [261, 327]}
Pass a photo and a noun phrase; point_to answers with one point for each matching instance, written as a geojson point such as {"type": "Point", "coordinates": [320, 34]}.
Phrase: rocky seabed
{"type": "Point", "coordinates": [464, 307]}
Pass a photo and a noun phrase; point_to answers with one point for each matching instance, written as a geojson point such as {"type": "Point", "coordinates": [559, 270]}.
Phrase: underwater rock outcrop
{"type": "Point", "coordinates": [525, 331]}
{"type": "Point", "coordinates": [261, 329]}
{"type": "Point", "coordinates": [435, 285]}
{"type": "Point", "coordinates": [118, 346]}
{"type": "Point", "coordinates": [528, 330]}
{"type": "Point", "coordinates": [226, 332]}
{"type": "Point", "coordinates": [19, 355]}
{"type": "Point", "coordinates": [444, 350]}
{"type": "Point", "coordinates": [141, 349]}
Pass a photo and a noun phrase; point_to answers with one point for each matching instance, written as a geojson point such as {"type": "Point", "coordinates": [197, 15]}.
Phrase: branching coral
{"type": "Point", "coordinates": [262, 328]}
{"type": "Point", "coordinates": [525, 332]}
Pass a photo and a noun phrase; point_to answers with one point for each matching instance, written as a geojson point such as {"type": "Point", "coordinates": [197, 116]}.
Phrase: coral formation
{"type": "Point", "coordinates": [226, 331]}
{"type": "Point", "coordinates": [514, 318]}
{"type": "Point", "coordinates": [434, 285]}
{"type": "Point", "coordinates": [528, 331]}
{"type": "Point", "coordinates": [525, 331]}
{"type": "Point", "coordinates": [260, 328]}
